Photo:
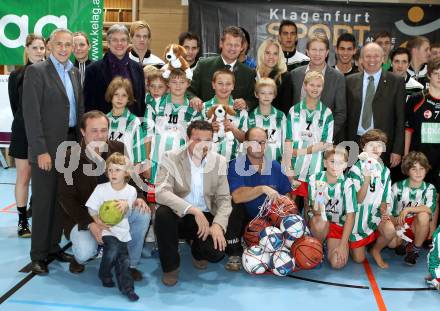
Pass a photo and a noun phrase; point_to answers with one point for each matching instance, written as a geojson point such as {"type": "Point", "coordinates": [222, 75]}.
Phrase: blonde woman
{"type": "Point", "coordinates": [271, 64]}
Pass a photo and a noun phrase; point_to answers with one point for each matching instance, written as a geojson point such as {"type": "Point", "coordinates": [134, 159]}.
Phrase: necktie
{"type": "Point", "coordinates": [228, 67]}
{"type": "Point", "coordinates": [367, 111]}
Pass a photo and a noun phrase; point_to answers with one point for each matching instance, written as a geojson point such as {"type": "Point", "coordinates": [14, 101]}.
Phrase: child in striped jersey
{"type": "Point", "coordinates": [309, 133]}
{"type": "Point", "coordinates": [434, 261]}
{"type": "Point", "coordinates": [372, 181]}
{"type": "Point", "coordinates": [414, 202]}
{"type": "Point", "coordinates": [235, 127]}
{"type": "Point", "coordinates": [124, 125]}
{"type": "Point", "coordinates": [332, 212]}
{"type": "Point", "coordinates": [267, 117]}
{"type": "Point", "coordinates": [168, 119]}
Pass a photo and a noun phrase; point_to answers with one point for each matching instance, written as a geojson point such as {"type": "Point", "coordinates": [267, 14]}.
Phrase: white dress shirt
{"type": "Point", "coordinates": [196, 196]}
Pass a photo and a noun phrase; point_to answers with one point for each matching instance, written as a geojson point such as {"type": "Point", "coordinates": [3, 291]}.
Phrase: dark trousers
{"type": "Point", "coordinates": [169, 228]}
{"type": "Point", "coordinates": [46, 213]}
{"type": "Point", "coordinates": [238, 219]}
{"type": "Point", "coordinates": [115, 254]}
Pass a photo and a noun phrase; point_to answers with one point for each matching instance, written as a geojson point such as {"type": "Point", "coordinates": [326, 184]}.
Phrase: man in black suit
{"type": "Point", "coordinates": [116, 62]}
{"type": "Point", "coordinates": [52, 108]}
{"type": "Point", "coordinates": [376, 99]}
{"type": "Point", "coordinates": [231, 45]}
{"type": "Point", "coordinates": [81, 47]}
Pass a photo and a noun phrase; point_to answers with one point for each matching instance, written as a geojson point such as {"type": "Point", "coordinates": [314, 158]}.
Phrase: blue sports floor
{"type": "Point", "coordinates": [356, 287]}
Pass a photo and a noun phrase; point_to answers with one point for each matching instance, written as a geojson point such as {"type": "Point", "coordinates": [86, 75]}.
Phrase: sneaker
{"type": "Point", "coordinates": [427, 244]}
{"type": "Point", "coordinates": [108, 283]}
{"type": "Point", "coordinates": [170, 278]}
{"type": "Point", "coordinates": [411, 258]}
{"type": "Point", "coordinates": [132, 296]}
{"type": "Point", "coordinates": [400, 250]}
{"type": "Point", "coordinates": [23, 230]}
{"type": "Point", "coordinates": [233, 264]}
{"type": "Point", "coordinates": [433, 283]}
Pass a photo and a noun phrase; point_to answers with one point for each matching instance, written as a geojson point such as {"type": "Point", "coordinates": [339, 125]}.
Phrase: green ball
{"type": "Point", "coordinates": [109, 213]}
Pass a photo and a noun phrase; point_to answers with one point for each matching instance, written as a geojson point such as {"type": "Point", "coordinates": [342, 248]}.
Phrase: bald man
{"type": "Point", "coordinates": [375, 99]}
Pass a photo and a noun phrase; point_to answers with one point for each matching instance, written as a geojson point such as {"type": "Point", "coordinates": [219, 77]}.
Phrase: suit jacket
{"type": "Point", "coordinates": [73, 197]}
{"type": "Point", "coordinates": [174, 178]}
{"type": "Point", "coordinates": [46, 108]}
{"type": "Point", "coordinates": [98, 78]}
{"type": "Point", "coordinates": [244, 80]}
{"type": "Point", "coordinates": [333, 94]}
{"type": "Point", "coordinates": [388, 108]}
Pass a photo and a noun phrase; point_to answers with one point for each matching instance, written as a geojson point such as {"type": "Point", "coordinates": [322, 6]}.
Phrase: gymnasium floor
{"type": "Point", "coordinates": [356, 287]}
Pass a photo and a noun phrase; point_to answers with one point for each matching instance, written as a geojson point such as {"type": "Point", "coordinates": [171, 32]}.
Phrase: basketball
{"type": "Point", "coordinates": [252, 231]}
{"type": "Point", "coordinates": [255, 260]}
{"type": "Point", "coordinates": [307, 252]}
{"type": "Point", "coordinates": [282, 263]}
{"type": "Point", "coordinates": [280, 208]}
{"type": "Point", "coordinates": [271, 239]}
{"type": "Point", "coordinates": [292, 227]}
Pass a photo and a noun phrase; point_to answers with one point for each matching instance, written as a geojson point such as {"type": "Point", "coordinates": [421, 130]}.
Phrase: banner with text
{"type": "Point", "coordinates": [19, 18]}
{"type": "Point", "coordinates": [261, 19]}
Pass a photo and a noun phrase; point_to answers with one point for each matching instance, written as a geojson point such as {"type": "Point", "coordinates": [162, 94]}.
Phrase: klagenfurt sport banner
{"type": "Point", "coordinates": [18, 18]}
{"type": "Point", "coordinates": [262, 18]}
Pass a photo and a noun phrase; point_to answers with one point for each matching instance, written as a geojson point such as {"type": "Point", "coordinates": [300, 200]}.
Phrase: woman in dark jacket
{"type": "Point", "coordinates": [34, 53]}
{"type": "Point", "coordinates": [272, 64]}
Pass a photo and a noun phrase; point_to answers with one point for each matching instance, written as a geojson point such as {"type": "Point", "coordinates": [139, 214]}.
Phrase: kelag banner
{"type": "Point", "coordinates": [262, 19]}
{"type": "Point", "coordinates": [18, 18]}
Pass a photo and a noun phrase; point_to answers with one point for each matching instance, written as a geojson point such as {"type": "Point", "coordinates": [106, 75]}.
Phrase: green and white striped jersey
{"type": "Point", "coordinates": [342, 197]}
{"type": "Point", "coordinates": [434, 255]}
{"type": "Point", "coordinates": [167, 124]}
{"type": "Point", "coordinates": [150, 114]}
{"type": "Point", "coordinates": [127, 128]}
{"type": "Point", "coordinates": [275, 126]}
{"type": "Point", "coordinates": [228, 146]}
{"type": "Point", "coordinates": [369, 215]}
{"type": "Point", "coordinates": [307, 127]}
{"type": "Point", "coordinates": [404, 196]}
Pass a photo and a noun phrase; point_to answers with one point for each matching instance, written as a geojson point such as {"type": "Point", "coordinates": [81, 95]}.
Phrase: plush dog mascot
{"type": "Point", "coordinates": [219, 113]}
{"type": "Point", "coordinates": [174, 58]}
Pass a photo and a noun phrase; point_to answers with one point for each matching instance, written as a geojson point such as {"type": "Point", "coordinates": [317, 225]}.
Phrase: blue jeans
{"type": "Point", "coordinates": [84, 245]}
{"type": "Point", "coordinates": [116, 255]}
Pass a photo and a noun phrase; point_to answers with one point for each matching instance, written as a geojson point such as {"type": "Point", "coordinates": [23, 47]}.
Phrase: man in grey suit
{"type": "Point", "coordinates": [333, 95]}
{"type": "Point", "coordinates": [52, 107]}
{"type": "Point", "coordinates": [376, 99]}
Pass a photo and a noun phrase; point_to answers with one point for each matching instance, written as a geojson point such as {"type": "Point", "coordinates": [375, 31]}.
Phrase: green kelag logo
{"type": "Point", "coordinates": [22, 22]}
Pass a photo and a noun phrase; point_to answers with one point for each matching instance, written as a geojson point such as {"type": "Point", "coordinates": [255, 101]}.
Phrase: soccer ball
{"type": "Point", "coordinates": [292, 227]}
{"type": "Point", "coordinates": [282, 263]}
{"type": "Point", "coordinates": [271, 239]}
{"type": "Point", "coordinates": [255, 260]}
{"type": "Point", "coordinates": [109, 213]}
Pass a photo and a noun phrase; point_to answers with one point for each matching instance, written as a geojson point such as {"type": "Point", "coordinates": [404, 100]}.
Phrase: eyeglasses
{"type": "Point", "coordinates": [259, 142]}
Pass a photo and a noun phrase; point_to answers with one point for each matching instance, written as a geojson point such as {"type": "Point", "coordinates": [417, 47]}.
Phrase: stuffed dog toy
{"type": "Point", "coordinates": [219, 113]}
{"type": "Point", "coordinates": [321, 197]}
{"type": "Point", "coordinates": [370, 164]}
{"type": "Point", "coordinates": [174, 58]}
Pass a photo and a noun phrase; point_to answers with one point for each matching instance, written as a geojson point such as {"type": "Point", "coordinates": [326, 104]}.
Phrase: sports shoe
{"type": "Point", "coordinates": [132, 296]}
{"type": "Point", "coordinates": [170, 278]}
{"type": "Point", "coordinates": [400, 250]}
{"type": "Point", "coordinates": [135, 274]}
{"type": "Point", "coordinates": [108, 282]}
{"type": "Point", "coordinates": [411, 258]}
{"type": "Point", "coordinates": [233, 264]}
{"type": "Point", "coordinates": [23, 230]}
{"type": "Point", "coordinates": [433, 283]}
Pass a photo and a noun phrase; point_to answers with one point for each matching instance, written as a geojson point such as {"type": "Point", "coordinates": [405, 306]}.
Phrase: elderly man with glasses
{"type": "Point", "coordinates": [252, 178]}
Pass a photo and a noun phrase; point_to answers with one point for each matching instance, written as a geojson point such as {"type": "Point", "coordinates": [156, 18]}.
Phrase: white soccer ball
{"type": "Point", "coordinates": [293, 227]}
{"type": "Point", "coordinates": [271, 239]}
{"type": "Point", "coordinates": [282, 263]}
{"type": "Point", "coordinates": [255, 260]}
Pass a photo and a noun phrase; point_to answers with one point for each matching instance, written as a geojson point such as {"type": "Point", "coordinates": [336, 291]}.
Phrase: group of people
{"type": "Point", "coordinates": [216, 145]}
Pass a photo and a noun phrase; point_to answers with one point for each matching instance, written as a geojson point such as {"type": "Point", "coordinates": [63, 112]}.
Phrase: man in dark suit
{"type": "Point", "coordinates": [376, 99]}
{"type": "Point", "coordinates": [333, 95]}
{"type": "Point", "coordinates": [52, 107]}
{"type": "Point", "coordinates": [116, 62]}
{"type": "Point", "coordinates": [231, 45]}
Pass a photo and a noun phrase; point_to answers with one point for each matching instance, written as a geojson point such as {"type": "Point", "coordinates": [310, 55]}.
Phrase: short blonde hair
{"type": "Point", "coordinates": [336, 150]}
{"type": "Point", "coordinates": [135, 26]}
{"type": "Point", "coordinates": [149, 69]}
{"type": "Point", "coordinates": [266, 82]}
{"type": "Point", "coordinates": [312, 75]}
{"type": "Point", "coordinates": [116, 84]}
{"type": "Point", "coordinates": [223, 71]}
{"type": "Point", "coordinates": [118, 158]}
{"type": "Point", "coordinates": [318, 37]}
{"type": "Point", "coordinates": [155, 75]}
{"type": "Point", "coordinates": [281, 66]}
